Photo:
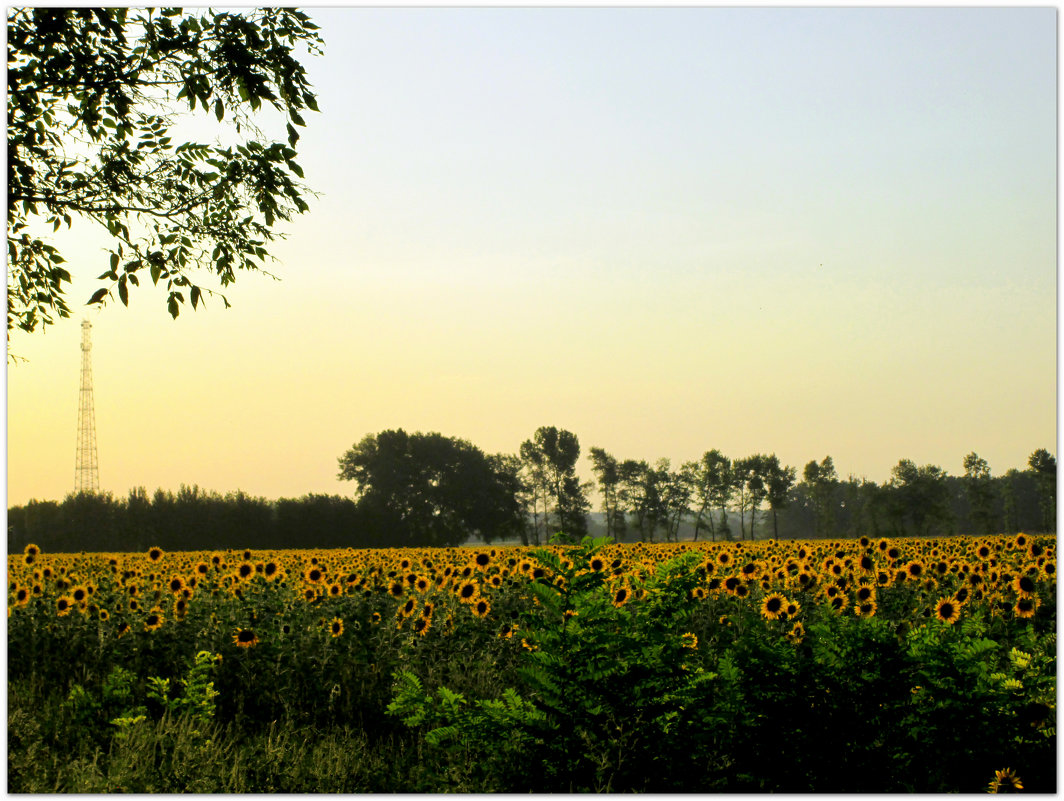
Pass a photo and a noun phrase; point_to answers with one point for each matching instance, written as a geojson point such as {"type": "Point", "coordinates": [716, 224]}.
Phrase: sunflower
{"type": "Point", "coordinates": [335, 590]}
{"type": "Point", "coordinates": [1024, 586]}
{"type": "Point", "coordinates": [621, 596]}
{"type": "Point", "coordinates": [422, 625]}
{"type": "Point", "coordinates": [772, 606]}
{"type": "Point", "coordinates": [155, 554]}
{"type": "Point", "coordinates": [406, 609]}
{"type": "Point", "coordinates": [1005, 778]}
{"type": "Point", "coordinates": [1025, 607]}
{"type": "Point", "coordinates": [22, 596]}
{"type": "Point", "coordinates": [865, 609]}
{"type": "Point", "coordinates": [506, 632]}
{"type": "Point", "coordinates": [797, 633]}
{"type": "Point", "coordinates": [427, 610]}
{"type": "Point", "coordinates": [154, 620]}
{"type": "Point", "coordinates": [245, 570]}
{"type": "Point", "coordinates": [948, 610]}
{"type": "Point", "coordinates": [245, 638]}
{"type": "Point", "coordinates": [481, 608]}
{"type": "Point", "coordinates": [176, 584]}
{"type": "Point", "coordinates": [689, 640]}
{"type": "Point", "coordinates": [467, 592]}
{"type": "Point", "coordinates": [699, 593]}
{"type": "Point", "coordinates": [375, 618]}
{"type": "Point", "coordinates": [79, 594]}
{"type": "Point", "coordinates": [313, 574]}
{"type": "Point", "coordinates": [180, 607]}
{"type": "Point", "coordinates": [865, 593]}
{"type": "Point", "coordinates": [63, 605]}
{"type": "Point", "coordinates": [336, 628]}
{"type": "Point", "coordinates": [396, 589]}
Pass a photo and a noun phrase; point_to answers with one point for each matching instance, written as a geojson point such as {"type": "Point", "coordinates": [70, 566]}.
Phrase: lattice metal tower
{"type": "Point", "coordinates": [87, 470]}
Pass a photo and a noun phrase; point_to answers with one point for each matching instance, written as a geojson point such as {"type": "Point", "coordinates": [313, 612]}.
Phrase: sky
{"type": "Point", "coordinates": [806, 232]}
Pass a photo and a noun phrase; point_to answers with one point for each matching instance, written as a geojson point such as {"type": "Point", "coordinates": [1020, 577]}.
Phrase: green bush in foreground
{"type": "Point", "coordinates": [616, 694]}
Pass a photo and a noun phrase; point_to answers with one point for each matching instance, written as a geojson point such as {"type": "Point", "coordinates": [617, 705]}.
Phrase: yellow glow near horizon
{"type": "Point", "coordinates": [760, 232]}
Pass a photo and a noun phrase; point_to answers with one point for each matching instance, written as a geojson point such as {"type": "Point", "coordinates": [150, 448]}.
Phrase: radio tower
{"type": "Point", "coordinates": [87, 470]}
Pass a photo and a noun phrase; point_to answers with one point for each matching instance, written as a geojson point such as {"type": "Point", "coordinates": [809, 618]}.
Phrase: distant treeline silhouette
{"type": "Point", "coordinates": [427, 489]}
{"type": "Point", "coordinates": [191, 519]}
{"type": "Point", "coordinates": [196, 519]}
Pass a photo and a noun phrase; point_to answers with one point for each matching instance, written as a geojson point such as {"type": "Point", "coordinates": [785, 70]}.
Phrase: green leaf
{"type": "Point", "coordinates": [123, 292]}
{"type": "Point", "coordinates": [219, 109]}
{"type": "Point", "coordinates": [98, 295]}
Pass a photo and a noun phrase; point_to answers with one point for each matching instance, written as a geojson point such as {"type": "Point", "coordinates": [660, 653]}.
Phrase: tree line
{"type": "Point", "coordinates": [433, 490]}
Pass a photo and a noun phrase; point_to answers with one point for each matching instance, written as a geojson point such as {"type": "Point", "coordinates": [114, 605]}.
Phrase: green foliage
{"type": "Point", "coordinates": [607, 692]}
{"type": "Point", "coordinates": [114, 705]}
{"type": "Point", "coordinates": [118, 708]}
{"type": "Point", "coordinates": [428, 489]}
{"type": "Point", "coordinates": [197, 697]}
{"type": "Point", "coordinates": [93, 98]}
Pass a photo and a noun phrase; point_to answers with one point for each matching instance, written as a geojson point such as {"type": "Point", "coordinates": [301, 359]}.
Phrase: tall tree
{"type": "Point", "coordinates": [642, 489]}
{"type": "Point", "coordinates": [677, 489]}
{"type": "Point", "coordinates": [756, 485]}
{"type": "Point", "coordinates": [778, 483]}
{"type": "Point", "coordinates": [922, 498]}
{"type": "Point", "coordinates": [1008, 500]}
{"type": "Point", "coordinates": [821, 481]}
{"type": "Point", "coordinates": [709, 476]}
{"type": "Point", "coordinates": [552, 454]}
{"type": "Point", "coordinates": [537, 492]}
{"type": "Point", "coordinates": [721, 487]}
{"type": "Point", "coordinates": [1044, 466]}
{"type": "Point", "coordinates": [93, 94]}
{"type": "Point", "coordinates": [979, 488]}
{"type": "Point", "coordinates": [430, 490]}
{"type": "Point", "coordinates": [608, 474]}
{"type": "Point", "coordinates": [740, 475]}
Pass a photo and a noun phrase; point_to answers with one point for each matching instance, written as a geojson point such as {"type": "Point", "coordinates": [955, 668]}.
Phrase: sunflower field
{"type": "Point", "coordinates": [903, 665]}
